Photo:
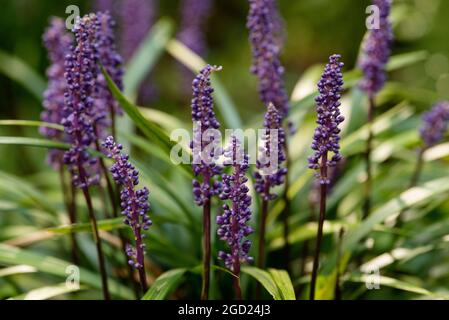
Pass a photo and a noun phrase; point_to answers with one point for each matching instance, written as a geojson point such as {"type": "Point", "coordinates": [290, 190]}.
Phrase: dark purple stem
{"type": "Point", "coordinates": [316, 258]}
{"type": "Point", "coordinates": [206, 246]}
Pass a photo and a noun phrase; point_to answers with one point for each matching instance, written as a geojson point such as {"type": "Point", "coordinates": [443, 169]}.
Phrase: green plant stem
{"type": "Point", "coordinates": [262, 230]}
{"type": "Point", "coordinates": [93, 222]}
{"type": "Point", "coordinates": [286, 211]}
{"type": "Point", "coordinates": [368, 162]}
{"type": "Point", "coordinates": [418, 168]}
{"type": "Point", "coordinates": [69, 202]}
{"type": "Point", "coordinates": [323, 191]}
{"type": "Point", "coordinates": [206, 249]}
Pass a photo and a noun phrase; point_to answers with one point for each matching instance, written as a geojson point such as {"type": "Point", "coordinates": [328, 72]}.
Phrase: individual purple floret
{"type": "Point", "coordinates": [106, 107]}
{"type": "Point", "coordinates": [434, 124]}
{"type": "Point", "coordinates": [136, 19]}
{"type": "Point", "coordinates": [81, 72]}
{"type": "Point", "coordinates": [263, 25]}
{"type": "Point", "coordinates": [194, 14]}
{"type": "Point", "coordinates": [327, 135]}
{"type": "Point", "coordinates": [203, 117]}
{"type": "Point", "coordinates": [57, 42]}
{"type": "Point", "coordinates": [376, 50]}
{"type": "Point", "coordinates": [271, 155]}
{"type": "Point", "coordinates": [134, 203]}
{"type": "Point", "coordinates": [232, 223]}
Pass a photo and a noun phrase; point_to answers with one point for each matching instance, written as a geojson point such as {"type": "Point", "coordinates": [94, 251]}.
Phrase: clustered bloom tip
{"type": "Point", "coordinates": [327, 134]}
{"type": "Point", "coordinates": [434, 124]}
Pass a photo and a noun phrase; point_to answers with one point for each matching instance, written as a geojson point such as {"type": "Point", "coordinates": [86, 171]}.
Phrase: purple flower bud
{"type": "Point", "coordinates": [434, 124]}
{"type": "Point", "coordinates": [57, 42]}
{"type": "Point", "coordinates": [327, 134]}
{"type": "Point", "coordinates": [376, 50]}
{"type": "Point", "coordinates": [134, 202]}
{"type": "Point", "coordinates": [271, 155]}
{"type": "Point", "coordinates": [263, 24]}
{"type": "Point", "coordinates": [203, 117]}
{"type": "Point", "coordinates": [233, 221]}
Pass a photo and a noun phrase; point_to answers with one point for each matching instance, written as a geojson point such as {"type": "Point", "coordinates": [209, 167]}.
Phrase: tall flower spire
{"type": "Point", "coordinates": [263, 24]}
{"type": "Point", "coordinates": [106, 106]}
{"type": "Point", "coordinates": [434, 124]}
{"type": "Point", "coordinates": [233, 221]}
{"type": "Point", "coordinates": [134, 203]}
{"type": "Point", "coordinates": [81, 73]}
{"type": "Point", "coordinates": [376, 50]}
{"type": "Point", "coordinates": [57, 42]}
{"type": "Point", "coordinates": [326, 140]}
{"type": "Point", "coordinates": [327, 135]}
{"type": "Point", "coordinates": [205, 152]}
{"type": "Point", "coordinates": [194, 14]}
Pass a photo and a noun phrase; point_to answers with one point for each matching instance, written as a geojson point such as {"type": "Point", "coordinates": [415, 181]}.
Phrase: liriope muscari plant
{"type": "Point", "coordinates": [434, 126]}
{"type": "Point", "coordinates": [204, 164]}
{"type": "Point", "coordinates": [325, 143]}
{"type": "Point", "coordinates": [81, 73]}
{"type": "Point", "coordinates": [270, 171]}
{"type": "Point", "coordinates": [375, 52]}
{"type": "Point", "coordinates": [266, 38]}
{"type": "Point", "coordinates": [57, 41]}
{"type": "Point", "coordinates": [134, 204]}
{"type": "Point", "coordinates": [233, 221]}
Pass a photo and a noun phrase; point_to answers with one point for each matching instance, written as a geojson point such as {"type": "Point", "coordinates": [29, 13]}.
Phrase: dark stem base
{"type": "Point", "coordinates": [206, 250]}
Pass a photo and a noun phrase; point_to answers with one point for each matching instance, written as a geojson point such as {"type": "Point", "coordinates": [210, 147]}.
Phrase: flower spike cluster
{"type": "Point", "coordinates": [203, 117]}
{"type": "Point", "coordinates": [194, 14]}
{"type": "Point", "coordinates": [81, 72]}
{"type": "Point", "coordinates": [57, 42]}
{"type": "Point", "coordinates": [327, 135]}
{"type": "Point", "coordinates": [434, 124]}
{"type": "Point", "coordinates": [110, 59]}
{"type": "Point", "coordinates": [232, 223]}
{"type": "Point", "coordinates": [376, 50]}
{"type": "Point", "coordinates": [263, 24]}
{"type": "Point", "coordinates": [271, 155]}
{"type": "Point", "coordinates": [134, 203]}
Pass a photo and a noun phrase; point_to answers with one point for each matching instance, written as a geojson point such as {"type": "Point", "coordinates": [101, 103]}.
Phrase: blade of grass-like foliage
{"type": "Point", "coordinates": [399, 91]}
{"type": "Point", "coordinates": [104, 225]}
{"type": "Point", "coordinates": [12, 256]}
{"type": "Point", "coordinates": [146, 56]}
{"type": "Point", "coordinates": [16, 69]}
{"type": "Point", "coordinates": [284, 283]}
{"type": "Point", "coordinates": [20, 269]}
{"type": "Point", "coordinates": [49, 292]}
{"type": "Point", "coordinates": [30, 123]}
{"type": "Point", "coordinates": [407, 59]}
{"type": "Point", "coordinates": [265, 279]}
{"type": "Point", "coordinates": [149, 129]}
{"type": "Point", "coordinates": [165, 120]}
{"type": "Point", "coordinates": [396, 284]}
{"type": "Point", "coordinates": [34, 142]}
{"type": "Point", "coordinates": [164, 284]}
{"type": "Point", "coordinates": [195, 63]}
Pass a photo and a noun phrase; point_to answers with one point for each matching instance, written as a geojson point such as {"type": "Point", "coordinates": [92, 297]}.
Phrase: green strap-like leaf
{"type": "Point", "coordinates": [146, 56]}
{"type": "Point", "coordinates": [48, 292]}
{"type": "Point", "coordinates": [284, 283]}
{"type": "Point", "coordinates": [18, 70]}
{"type": "Point", "coordinates": [13, 256]}
{"type": "Point", "coordinates": [265, 279]}
{"type": "Point", "coordinates": [165, 284]}
{"type": "Point", "coordinates": [31, 123]}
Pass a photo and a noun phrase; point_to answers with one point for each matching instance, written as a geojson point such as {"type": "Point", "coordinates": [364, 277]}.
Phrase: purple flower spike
{"type": "Point", "coordinates": [57, 42]}
{"type": "Point", "coordinates": [376, 50]}
{"type": "Point", "coordinates": [105, 104]}
{"type": "Point", "coordinates": [327, 134]}
{"type": "Point", "coordinates": [203, 117]}
{"type": "Point", "coordinates": [194, 15]}
{"type": "Point", "coordinates": [434, 125]}
{"type": "Point", "coordinates": [232, 223]}
{"type": "Point", "coordinates": [271, 155]}
{"type": "Point", "coordinates": [134, 203]}
{"type": "Point", "coordinates": [137, 17]}
{"type": "Point", "coordinates": [81, 72]}
{"type": "Point", "coordinates": [263, 23]}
